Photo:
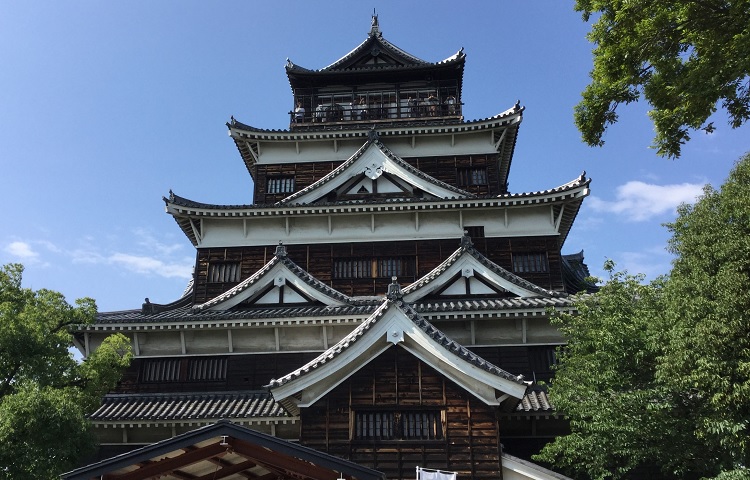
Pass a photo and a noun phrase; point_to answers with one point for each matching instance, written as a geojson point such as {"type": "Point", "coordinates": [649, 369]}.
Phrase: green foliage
{"type": "Point", "coordinates": [657, 376]}
{"type": "Point", "coordinates": [684, 57]}
{"type": "Point", "coordinates": [44, 392]}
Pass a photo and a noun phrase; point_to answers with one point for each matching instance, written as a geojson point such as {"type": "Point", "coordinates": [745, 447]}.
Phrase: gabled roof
{"type": "Point", "coordinates": [375, 52]}
{"type": "Point", "coordinates": [468, 272]}
{"type": "Point", "coordinates": [395, 323]}
{"type": "Point", "coordinates": [576, 275]}
{"type": "Point", "coordinates": [269, 286]}
{"type": "Point", "coordinates": [225, 450]}
{"type": "Point", "coordinates": [374, 160]}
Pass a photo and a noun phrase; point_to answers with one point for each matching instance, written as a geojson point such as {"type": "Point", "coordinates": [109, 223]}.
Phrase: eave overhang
{"type": "Point", "coordinates": [225, 450]}
{"type": "Point", "coordinates": [503, 127]}
{"type": "Point", "coordinates": [565, 200]}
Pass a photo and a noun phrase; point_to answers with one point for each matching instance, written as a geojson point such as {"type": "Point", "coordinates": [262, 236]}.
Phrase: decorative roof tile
{"type": "Point", "coordinates": [535, 400]}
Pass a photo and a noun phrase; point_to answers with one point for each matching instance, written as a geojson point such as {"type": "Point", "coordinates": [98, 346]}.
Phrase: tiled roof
{"type": "Point", "coordinates": [185, 314]}
{"type": "Point", "coordinates": [374, 141]}
{"type": "Point", "coordinates": [419, 321]}
{"type": "Point", "coordinates": [535, 400]}
{"type": "Point", "coordinates": [576, 273]}
{"type": "Point", "coordinates": [375, 39]}
{"type": "Point", "coordinates": [162, 407]}
{"type": "Point", "coordinates": [511, 303]}
{"type": "Point", "coordinates": [522, 198]}
{"type": "Point", "coordinates": [402, 128]}
{"type": "Point", "coordinates": [467, 248]}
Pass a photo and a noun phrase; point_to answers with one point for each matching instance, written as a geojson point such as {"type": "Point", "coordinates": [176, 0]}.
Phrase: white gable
{"type": "Point", "coordinates": [366, 175]}
{"type": "Point", "coordinates": [467, 276]}
{"type": "Point", "coordinates": [279, 285]}
{"type": "Point", "coordinates": [394, 327]}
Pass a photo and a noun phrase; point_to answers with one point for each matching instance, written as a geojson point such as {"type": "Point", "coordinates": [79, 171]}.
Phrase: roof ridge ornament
{"type": "Point", "coordinates": [280, 250]}
{"type": "Point", "coordinates": [466, 240]}
{"type": "Point", "coordinates": [394, 290]}
{"type": "Point", "coordinates": [375, 27]}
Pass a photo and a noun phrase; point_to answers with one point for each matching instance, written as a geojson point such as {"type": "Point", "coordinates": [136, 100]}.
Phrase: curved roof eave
{"type": "Point", "coordinates": [509, 117]}
{"type": "Point", "coordinates": [185, 211]}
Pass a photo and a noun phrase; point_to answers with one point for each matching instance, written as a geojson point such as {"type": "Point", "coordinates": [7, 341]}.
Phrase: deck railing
{"type": "Point", "coordinates": [362, 112]}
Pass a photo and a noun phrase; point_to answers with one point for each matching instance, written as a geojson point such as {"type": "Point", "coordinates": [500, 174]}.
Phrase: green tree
{"type": "Point", "coordinates": [45, 394]}
{"type": "Point", "coordinates": [684, 57]}
{"type": "Point", "coordinates": [656, 377]}
{"type": "Point", "coordinates": [707, 355]}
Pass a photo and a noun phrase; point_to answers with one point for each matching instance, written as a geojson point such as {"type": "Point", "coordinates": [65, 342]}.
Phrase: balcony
{"type": "Point", "coordinates": [342, 114]}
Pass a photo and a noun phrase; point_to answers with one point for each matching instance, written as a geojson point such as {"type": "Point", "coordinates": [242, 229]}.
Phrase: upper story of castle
{"type": "Point", "coordinates": [376, 83]}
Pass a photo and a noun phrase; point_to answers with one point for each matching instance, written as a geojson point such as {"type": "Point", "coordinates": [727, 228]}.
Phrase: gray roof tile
{"type": "Point", "coordinates": [187, 406]}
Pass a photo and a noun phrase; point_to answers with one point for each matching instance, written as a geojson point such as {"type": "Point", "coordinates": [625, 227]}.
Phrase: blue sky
{"type": "Point", "coordinates": [106, 106]}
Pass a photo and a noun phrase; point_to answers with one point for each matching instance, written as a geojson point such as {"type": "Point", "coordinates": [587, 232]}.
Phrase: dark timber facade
{"type": "Point", "coordinates": [384, 299]}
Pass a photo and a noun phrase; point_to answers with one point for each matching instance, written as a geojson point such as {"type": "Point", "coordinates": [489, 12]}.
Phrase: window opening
{"type": "Point", "coordinates": [530, 262]}
{"type": "Point", "coordinates": [224, 272]}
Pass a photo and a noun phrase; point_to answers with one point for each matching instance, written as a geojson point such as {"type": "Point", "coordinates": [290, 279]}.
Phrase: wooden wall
{"type": "Point", "coordinates": [318, 261]}
{"type": "Point", "coordinates": [243, 372]}
{"type": "Point", "coordinates": [396, 379]}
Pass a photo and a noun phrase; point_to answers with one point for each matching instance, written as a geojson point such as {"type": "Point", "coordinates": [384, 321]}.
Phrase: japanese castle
{"type": "Point", "coordinates": [380, 311]}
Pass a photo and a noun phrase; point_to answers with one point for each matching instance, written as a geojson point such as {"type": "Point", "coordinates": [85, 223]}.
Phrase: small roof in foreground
{"type": "Point", "coordinates": [225, 450]}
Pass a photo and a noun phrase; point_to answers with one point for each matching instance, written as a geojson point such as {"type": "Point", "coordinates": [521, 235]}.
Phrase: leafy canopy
{"type": "Point", "coordinates": [683, 56]}
{"type": "Point", "coordinates": [657, 376]}
{"type": "Point", "coordinates": [45, 394]}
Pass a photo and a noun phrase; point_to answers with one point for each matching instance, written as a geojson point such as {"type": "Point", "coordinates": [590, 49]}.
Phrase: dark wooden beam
{"type": "Point", "coordinates": [171, 463]}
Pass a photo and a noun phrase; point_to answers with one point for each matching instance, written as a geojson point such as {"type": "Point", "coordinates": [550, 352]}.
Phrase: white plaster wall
{"type": "Point", "coordinates": [389, 226]}
{"type": "Point", "coordinates": [206, 341]}
{"type": "Point", "coordinates": [254, 340]}
{"type": "Point", "coordinates": [160, 343]}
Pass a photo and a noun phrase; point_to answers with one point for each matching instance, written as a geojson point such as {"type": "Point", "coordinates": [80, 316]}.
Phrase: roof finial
{"type": "Point", "coordinates": [394, 290]}
{"type": "Point", "coordinates": [374, 28]}
{"type": "Point", "coordinates": [466, 240]}
{"type": "Point", "coordinates": [280, 250]}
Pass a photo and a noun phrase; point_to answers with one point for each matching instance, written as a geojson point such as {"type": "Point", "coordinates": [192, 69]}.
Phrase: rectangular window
{"type": "Point", "coordinates": [282, 184]}
{"type": "Point", "coordinates": [395, 425]}
{"type": "Point", "coordinates": [224, 272]}
{"type": "Point", "coordinates": [207, 369]}
{"type": "Point", "coordinates": [161, 370]}
{"type": "Point", "coordinates": [374, 267]}
{"type": "Point", "coordinates": [530, 262]}
{"type": "Point", "coordinates": [472, 176]}
{"type": "Point", "coordinates": [204, 369]}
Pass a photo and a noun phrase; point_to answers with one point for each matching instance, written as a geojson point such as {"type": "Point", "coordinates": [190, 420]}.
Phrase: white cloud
{"type": "Point", "coordinates": [639, 201]}
{"type": "Point", "coordinates": [22, 250]}
{"type": "Point", "coordinates": [148, 265]}
{"type": "Point", "coordinates": [150, 243]}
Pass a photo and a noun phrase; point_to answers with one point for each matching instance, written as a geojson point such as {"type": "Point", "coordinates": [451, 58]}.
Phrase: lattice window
{"type": "Point", "coordinates": [472, 176]}
{"type": "Point", "coordinates": [530, 262]}
{"type": "Point", "coordinates": [374, 267]}
{"type": "Point", "coordinates": [281, 184]}
{"type": "Point", "coordinates": [207, 369]}
{"type": "Point", "coordinates": [224, 272]}
{"type": "Point", "coordinates": [398, 425]}
{"type": "Point", "coordinates": [421, 425]}
{"type": "Point", "coordinates": [161, 370]}
{"type": "Point", "coordinates": [204, 369]}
